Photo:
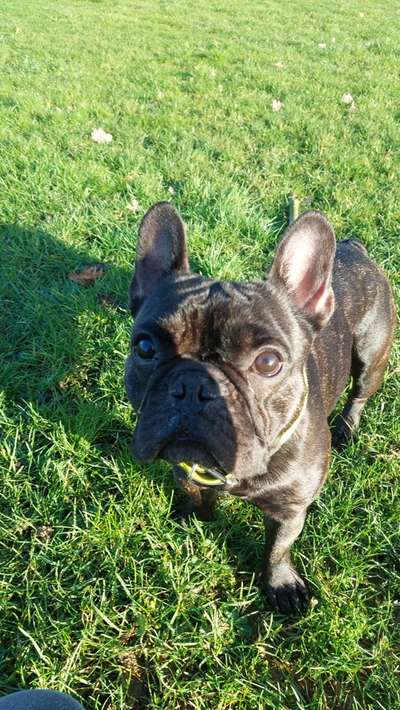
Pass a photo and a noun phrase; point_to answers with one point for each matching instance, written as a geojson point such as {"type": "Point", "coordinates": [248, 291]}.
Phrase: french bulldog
{"type": "Point", "coordinates": [233, 381]}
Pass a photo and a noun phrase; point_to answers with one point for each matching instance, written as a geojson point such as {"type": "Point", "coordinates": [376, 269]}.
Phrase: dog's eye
{"type": "Point", "coordinates": [268, 363]}
{"type": "Point", "coordinates": [144, 348]}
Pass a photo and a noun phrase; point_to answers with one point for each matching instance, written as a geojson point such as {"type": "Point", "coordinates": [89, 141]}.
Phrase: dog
{"type": "Point", "coordinates": [233, 382]}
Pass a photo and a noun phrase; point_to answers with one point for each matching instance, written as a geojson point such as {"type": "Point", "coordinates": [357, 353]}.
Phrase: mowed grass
{"type": "Point", "coordinates": [101, 594]}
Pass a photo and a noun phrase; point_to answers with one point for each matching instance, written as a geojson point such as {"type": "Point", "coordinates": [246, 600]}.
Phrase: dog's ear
{"type": "Point", "coordinates": [161, 251]}
{"type": "Point", "coordinates": [303, 266]}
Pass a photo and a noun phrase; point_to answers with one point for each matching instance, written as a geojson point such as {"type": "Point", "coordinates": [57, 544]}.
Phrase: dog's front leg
{"type": "Point", "coordinates": [201, 501]}
{"type": "Point", "coordinates": [284, 587]}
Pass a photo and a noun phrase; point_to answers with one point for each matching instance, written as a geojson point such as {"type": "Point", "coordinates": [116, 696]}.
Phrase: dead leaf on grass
{"type": "Point", "coordinates": [44, 532]}
{"type": "Point", "coordinates": [133, 205]}
{"type": "Point", "coordinates": [111, 301]}
{"type": "Point", "coordinates": [130, 664]}
{"type": "Point", "coordinates": [276, 105]}
{"type": "Point", "coordinates": [133, 672]}
{"type": "Point", "coordinates": [128, 636]}
{"type": "Point", "coordinates": [88, 275]}
{"type": "Point", "coordinates": [98, 135]}
{"type": "Point", "coordinates": [347, 99]}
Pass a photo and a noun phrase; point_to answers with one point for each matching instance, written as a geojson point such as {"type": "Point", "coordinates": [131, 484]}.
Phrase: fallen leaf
{"type": "Point", "coordinates": [111, 301]}
{"type": "Point", "coordinates": [347, 99]}
{"type": "Point", "coordinates": [64, 384]}
{"type": "Point", "coordinates": [130, 664]}
{"type": "Point", "coordinates": [127, 636]}
{"type": "Point", "coordinates": [276, 105]}
{"type": "Point", "coordinates": [133, 206]}
{"type": "Point", "coordinates": [88, 275]}
{"type": "Point", "coordinates": [44, 532]}
{"type": "Point", "coordinates": [100, 136]}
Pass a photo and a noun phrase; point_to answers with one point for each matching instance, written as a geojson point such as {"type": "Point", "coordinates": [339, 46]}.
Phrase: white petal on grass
{"type": "Point", "coordinates": [333, 40]}
{"type": "Point", "coordinates": [100, 136]}
{"type": "Point", "coordinates": [322, 45]}
{"type": "Point", "coordinates": [171, 190]}
{"type": "Point", "coordinates": [276, 105]}
{"type": "Point", "coordinates": [347, 99]}
{"type": "Point", "coordinates": [352, 107]}
{"type": "Point", "coordinates": [133, 206]}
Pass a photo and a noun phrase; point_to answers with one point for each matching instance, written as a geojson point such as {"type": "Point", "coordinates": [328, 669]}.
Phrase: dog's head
{"type": "Point", "coordinates": [216, 370]}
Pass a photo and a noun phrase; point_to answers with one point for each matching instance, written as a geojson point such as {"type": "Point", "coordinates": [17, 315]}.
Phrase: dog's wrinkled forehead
{"type": "Point", "coordinates": [203, 316]}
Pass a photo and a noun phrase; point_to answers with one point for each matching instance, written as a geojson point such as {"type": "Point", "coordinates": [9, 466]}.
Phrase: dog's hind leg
{"type": "Point", "coordinates": [371, 350]}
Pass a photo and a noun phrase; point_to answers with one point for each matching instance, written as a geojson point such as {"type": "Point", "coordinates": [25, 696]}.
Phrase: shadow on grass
{"type": "Point", "coordinates": [47, 359]}
{"type": "Point", "coordinates": [47, 362]}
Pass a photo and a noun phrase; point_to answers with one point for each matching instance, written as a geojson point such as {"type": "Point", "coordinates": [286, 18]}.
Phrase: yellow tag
{"type": "Point", "coordinates": [201, 475]}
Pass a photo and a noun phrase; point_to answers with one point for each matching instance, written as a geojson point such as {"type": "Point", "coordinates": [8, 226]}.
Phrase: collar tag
{"type": "Point", "coordinates": [209, 478]}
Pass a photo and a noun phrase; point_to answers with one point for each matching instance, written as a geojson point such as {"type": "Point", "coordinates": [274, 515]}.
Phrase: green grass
{"type": "Point", "coordinates": [101, 594]}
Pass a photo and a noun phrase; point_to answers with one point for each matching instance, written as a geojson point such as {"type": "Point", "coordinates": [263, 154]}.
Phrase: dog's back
{"type": "Point", "coordinates": [360, 332]}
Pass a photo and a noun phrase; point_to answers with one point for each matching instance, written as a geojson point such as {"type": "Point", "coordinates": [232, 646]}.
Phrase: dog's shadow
{"type": "Point", "coordinates": [49, 365]}
{"type": "Point", "coordinates": [48, 361]}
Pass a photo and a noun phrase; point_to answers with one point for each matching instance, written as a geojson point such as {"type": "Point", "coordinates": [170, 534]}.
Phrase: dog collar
{"type": "Point", "coordinates": [287, 431]}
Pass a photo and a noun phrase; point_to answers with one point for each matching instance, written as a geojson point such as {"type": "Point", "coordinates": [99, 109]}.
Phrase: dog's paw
{"type": "Point", "coordinates": [181, 513]}
{"type": "Point", "coordinates": [184, 512]}
{"type": "Point", "coordinates": [286, 592]}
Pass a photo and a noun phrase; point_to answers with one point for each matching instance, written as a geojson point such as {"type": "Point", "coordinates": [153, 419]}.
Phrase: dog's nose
{"type": "Point", "coordinates": [187, 390]}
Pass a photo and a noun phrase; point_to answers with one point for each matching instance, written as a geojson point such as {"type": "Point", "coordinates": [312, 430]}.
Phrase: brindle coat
{"type": "Point", "coordinates": [327, 313]}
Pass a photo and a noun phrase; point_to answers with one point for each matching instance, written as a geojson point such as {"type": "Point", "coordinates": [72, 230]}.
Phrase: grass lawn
{"type": "Point", "coordinates": [101, 594]}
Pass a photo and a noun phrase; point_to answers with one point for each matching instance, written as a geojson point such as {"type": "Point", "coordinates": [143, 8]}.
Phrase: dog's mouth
{"type": "Point", "coordinates": [185, 447]}
{"type": "Point", "coordinates": [194, 462]}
